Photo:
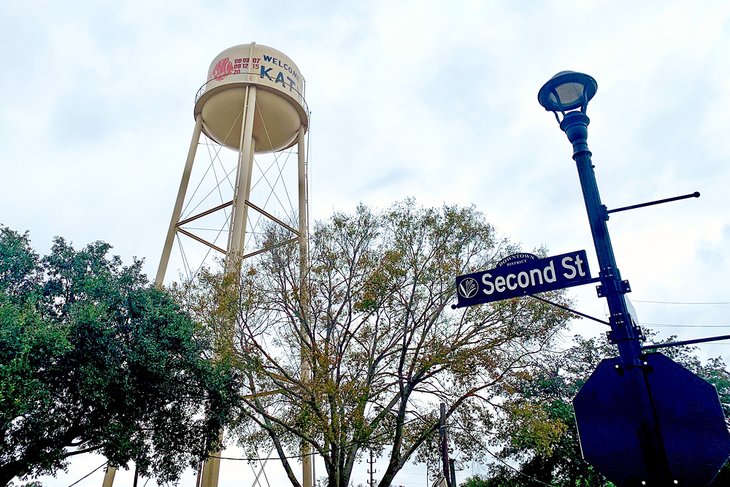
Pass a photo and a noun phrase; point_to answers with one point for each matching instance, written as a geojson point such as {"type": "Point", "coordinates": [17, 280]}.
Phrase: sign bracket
{"type": "Point", "coordinates": [557, 305]}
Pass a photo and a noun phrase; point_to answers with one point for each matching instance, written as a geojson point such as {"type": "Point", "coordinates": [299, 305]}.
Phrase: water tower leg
{"type": "Point", "coordinates": [177, 210]}
{"type": "Point", "coordinates": [109, 476]}
{"type": "Point", "coordinates": [307, 463]}
{"type": "Point", "coordinates": [243, 185]}
{"type": "Point", "coordinates": [303, 206]}
{"type": "Point", "coordinates": [165, 258]}
{"type": "Point", "coordinates": [211, 467]}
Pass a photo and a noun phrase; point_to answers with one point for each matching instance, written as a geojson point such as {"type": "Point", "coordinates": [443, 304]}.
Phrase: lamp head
{"type": "Point", "coordinates": [567, 91]}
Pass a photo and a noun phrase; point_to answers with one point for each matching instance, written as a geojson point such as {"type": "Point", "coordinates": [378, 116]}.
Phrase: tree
{"type": "Point", "coordinates": [538, 430]}
{"type": "Point", "coordinates": [478, 481]}
{"type": "Point", "coordinates": [360, 357]}
{"type": "Point", "coordinates": [94, 359]}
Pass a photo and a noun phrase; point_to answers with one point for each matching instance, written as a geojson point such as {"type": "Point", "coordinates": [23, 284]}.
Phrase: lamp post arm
{"type": "Point", "coordinates": [696, 194]}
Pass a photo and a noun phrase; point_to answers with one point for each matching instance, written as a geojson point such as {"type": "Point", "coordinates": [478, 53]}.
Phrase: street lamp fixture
{"type": "Point", "coordinates": [567, 91]}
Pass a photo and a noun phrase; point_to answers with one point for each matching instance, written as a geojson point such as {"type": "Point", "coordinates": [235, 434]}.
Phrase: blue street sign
{"type": "Point", "coordinates": [519, 277]}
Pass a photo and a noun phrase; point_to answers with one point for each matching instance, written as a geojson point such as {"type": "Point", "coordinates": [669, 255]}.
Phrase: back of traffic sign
{"type": "Point", "coordinates": [691, 426]}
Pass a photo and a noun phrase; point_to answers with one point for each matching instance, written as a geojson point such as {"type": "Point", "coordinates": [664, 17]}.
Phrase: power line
{"type": "Point", "coordinates": [502, 461]}
{"type": "Point", "coordinates": [673, 325]}
{"type": "Point", "coordinates": [695, 303]}
{"type": "Point", "coordinates": [515, 470]}
{"type": "Point", "coordinates": [261, 459]}
{"type": "Point", "coordinates": [85, 476]}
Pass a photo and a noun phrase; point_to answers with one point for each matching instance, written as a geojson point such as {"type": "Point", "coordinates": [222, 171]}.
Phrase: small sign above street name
{"type": "Point", "coordinates": [530, 276]}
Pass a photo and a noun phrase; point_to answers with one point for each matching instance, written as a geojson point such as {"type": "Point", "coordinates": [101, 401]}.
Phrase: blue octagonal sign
{"type": "Point", "coordinates": [691, 426]}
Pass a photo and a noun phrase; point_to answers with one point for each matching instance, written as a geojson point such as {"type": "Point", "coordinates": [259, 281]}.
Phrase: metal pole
{"type": "Point", "coordinates": [243, 184]}
{"type": "Point", "coordinates": [371, 470]}
{"type": "Point", "coordinates": [623, 331]}
{"type": "Point", "coordinates": [303, 208]}
{"type": "Point", "coordinates": [198, 474]}
{"type": "Point", "coordinates": [109, 477]}
{"type": "Point", "coordinates": [172, 229]}
{"type": "Point", "coordinates": [444, 445]}
{"type": "Point", "coordinates": [307, 463]}
{"type": "Point", "coordinates": [686, 342]}
{"type": "Point", "coordinates": [211, 467]}
{"type": "Point", "coordinates": [177, 210]}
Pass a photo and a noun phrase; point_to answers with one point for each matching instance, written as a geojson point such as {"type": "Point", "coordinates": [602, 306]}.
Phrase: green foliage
{"type": "Point", "coordinates": [93, 358]}
{"type": "Point", "coordinates": [478, 481]}
{"type": "Point", "coordinates": [475, 481]}
{"type": "Point", "coordinates": [357, 354]}
{"type": "Point", "coordinates": [34, 483]}
{"type": "Point", "coordinates": [546, 446]}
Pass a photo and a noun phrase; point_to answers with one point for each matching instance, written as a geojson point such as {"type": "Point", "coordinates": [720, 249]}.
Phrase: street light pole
{"type": "Point", "coordinates": [624, 332]}
{"type": "Point", "coordinates": [568, 93]}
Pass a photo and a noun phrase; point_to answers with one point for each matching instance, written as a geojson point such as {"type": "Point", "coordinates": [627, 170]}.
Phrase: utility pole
{"type": "Point", "coordinates": [444, 445]}
{"type": "Point", "coordinates": [371, 470]}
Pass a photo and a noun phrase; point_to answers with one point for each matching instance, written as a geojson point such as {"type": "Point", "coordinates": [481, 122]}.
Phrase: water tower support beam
{"type": "Point", "coordinates": [243, 184]}
{"type": "Point", "coordinates": [109, 476]}
{"type": "Point", "coordinates": [307, 460]}
{"type": "Point", "coordinates": [303, 204]}
{"type": "Point", "coordinates": [177, 210]}
{"type": "Point", "coordinates": [172, 229]}
{"type": "Point", "coordinates": [234, 254]}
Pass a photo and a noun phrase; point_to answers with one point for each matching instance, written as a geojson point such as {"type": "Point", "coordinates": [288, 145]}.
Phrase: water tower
{"type": "Point", "coordinates": [252, 103]}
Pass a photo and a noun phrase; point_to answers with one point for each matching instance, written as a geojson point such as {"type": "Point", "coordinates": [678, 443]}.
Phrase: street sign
{"type": "Point", "coordinates": [691, 428]}
{"type": "Point", "coordinates": [519, 277]}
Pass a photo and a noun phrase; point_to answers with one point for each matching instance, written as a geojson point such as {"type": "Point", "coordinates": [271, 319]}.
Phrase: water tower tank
{"type": "Point", "coordinates": [280, 108]}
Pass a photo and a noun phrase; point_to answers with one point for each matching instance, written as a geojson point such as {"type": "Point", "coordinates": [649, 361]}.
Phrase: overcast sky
{"type": "Point", "coordinates": [435, 100]}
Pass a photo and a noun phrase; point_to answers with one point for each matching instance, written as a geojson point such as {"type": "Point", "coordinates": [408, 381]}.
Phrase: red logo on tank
{"type": "Point", "coordinates": [223, 69]}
